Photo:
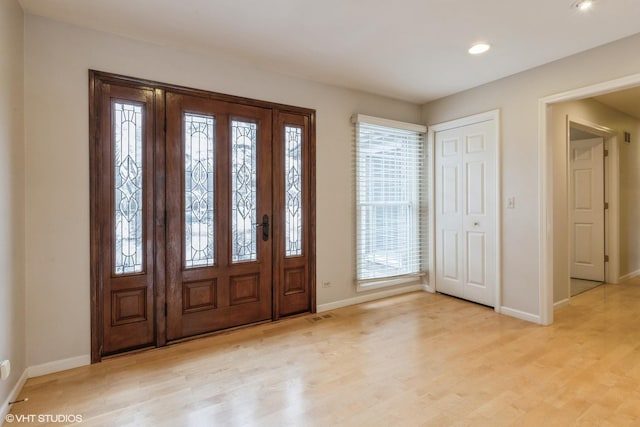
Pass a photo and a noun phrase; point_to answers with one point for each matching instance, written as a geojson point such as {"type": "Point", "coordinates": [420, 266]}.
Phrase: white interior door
{"type": "Point", "coordinates": [586, 207]}
{"type": "Point", "coordinates": [465, 204]}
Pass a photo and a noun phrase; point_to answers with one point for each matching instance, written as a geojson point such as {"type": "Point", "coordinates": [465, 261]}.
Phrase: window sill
{"type": "Point", "coordinates": [415, 279]}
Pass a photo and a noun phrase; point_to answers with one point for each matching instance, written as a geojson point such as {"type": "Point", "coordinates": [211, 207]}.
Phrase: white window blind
{"type": "Point", "coordinates": [390, 194]}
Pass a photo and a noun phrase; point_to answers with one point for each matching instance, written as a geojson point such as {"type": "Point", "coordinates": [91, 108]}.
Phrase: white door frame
{"type": "Point", "coordinates": [611, 192]}
{"type": "Point", "coordinates": [493, 115]}
{"type": "Point", "coordinates": [545, 181]}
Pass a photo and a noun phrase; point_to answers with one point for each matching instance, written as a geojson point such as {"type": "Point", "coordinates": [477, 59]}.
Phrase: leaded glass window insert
{"type": "Point", "coordinates": [243, 191]}
{"type": "Point", "coordinates": [128, 182]}
{"type": "Point", "coordinates": [199, 194]}
{"type": "Point", "coordinates": [293, 191]}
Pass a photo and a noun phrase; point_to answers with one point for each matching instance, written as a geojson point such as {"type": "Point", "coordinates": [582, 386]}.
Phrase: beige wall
{"type": "Point", "coordinates": [517, 98]}
{"type": "Point", "coordinates": [12, 294]}
{"type": "Point", "coordinates": [629, 169]}
{"type": "Point", "coordinates": [630, 202]}
{"type": "Point", "coordinates": [57, 59]}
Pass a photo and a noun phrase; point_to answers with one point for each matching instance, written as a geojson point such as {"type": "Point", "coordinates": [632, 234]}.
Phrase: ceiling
{"type": "Point", "coordinates": [415, 50]}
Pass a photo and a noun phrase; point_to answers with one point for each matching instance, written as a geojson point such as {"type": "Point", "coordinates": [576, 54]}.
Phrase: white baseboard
{"type": "Point", "coordinates": [523, 315]}
{"type": "Point", "coordinates": [429, 288]}
{"type": "Point", "coordinates": [369, 297]}
{"type": "Point", "coordinates": [15, 391]}
{"type": "Point", "coordinates": [629, 276]}
{"type": "Point", "coordinates": [59, 365]}
{"type": "Point", "coordinates": [561, 303]}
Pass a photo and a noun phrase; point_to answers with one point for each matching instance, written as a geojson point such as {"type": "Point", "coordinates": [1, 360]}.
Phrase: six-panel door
{"type": "Point", "coordinates": [465, 165]}
{"type": "Point", "coordinates": [586, 209]}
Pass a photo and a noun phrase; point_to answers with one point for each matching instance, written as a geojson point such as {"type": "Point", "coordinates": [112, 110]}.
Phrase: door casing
{"type": "Point", "coordinates": [545, 184]}
{"type": "Point", "coordinates": [612, 197]}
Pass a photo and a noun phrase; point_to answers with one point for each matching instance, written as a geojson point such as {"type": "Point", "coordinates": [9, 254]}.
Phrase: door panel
{"type": "Point", "coordinates": [465, 220]}
{"type": "Point", "coordinates": [586, 206]}
{"type": "Point", "coordinates": [126, 188]}
{"type": "Point", "coordinates": [476, 255]}
{"type": "Point", "coordinates": [450, 190]}
{"type": "Point", "coordinates": [475, 188]}
{"type": "Point", "coordinates": [449, 216]}
{"type": "Point", "coordinates": [218, 184]}
{"type": "Point", "coordinates": [292, 225]}
{"type": "Point", "coordinates": [450, 256]}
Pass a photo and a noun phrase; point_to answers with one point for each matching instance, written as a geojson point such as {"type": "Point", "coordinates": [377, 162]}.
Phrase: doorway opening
{"type": "Point", "coordinates": [592, 192]}
{"type": "Point", "coordinates": [553, 210]}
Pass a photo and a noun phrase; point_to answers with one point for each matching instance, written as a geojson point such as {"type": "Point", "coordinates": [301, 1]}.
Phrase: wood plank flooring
{"type": "Point", "coordinates": [413, 360]}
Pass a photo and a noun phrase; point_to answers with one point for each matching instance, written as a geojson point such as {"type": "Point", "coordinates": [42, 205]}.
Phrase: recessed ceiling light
{"type": "Point", "coordinates": [479, 48]}
{"type": "Point", "coordinates": [584, 5]}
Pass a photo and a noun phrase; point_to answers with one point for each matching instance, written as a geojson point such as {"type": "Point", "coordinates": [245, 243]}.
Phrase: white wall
{"type": "Point", "coordinates": [517, 97]}
{"type": "Point", "coordinates": [629, 169]}
{"type": "Point", "coordinates": [12, 295]}
{"type": "Point", "coordinates": [57, 59]}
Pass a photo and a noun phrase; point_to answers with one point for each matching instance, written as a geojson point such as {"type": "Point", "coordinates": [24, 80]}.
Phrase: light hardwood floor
{"type": "Point", "coordinates": [412, 360]}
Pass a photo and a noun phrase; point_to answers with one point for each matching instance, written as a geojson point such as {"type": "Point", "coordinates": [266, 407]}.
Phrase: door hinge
{"type": "Point", "coordinates": [606, 153]}
{"type": "Point", "coordinates": [606, 205]}
{"type": "Point", "coordinates": [606, 258]}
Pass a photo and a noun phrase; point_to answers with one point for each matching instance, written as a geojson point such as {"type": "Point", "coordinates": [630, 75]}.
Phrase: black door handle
{"type": "Point", "coordinates": [265, 227]}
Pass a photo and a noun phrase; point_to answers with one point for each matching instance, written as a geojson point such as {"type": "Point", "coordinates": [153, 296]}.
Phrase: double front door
{"type": "Point", "coordinates": [201, 211]}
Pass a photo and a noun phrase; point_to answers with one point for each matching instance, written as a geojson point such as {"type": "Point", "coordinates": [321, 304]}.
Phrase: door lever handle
{"type": "Point", "coordinates": [265, 227]}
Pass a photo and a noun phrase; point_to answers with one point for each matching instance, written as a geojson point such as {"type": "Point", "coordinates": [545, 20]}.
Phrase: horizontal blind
{"type": "Point", "coordinates": [390, 187]}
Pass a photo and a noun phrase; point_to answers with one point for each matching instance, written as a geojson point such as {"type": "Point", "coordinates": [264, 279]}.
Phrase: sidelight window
{"type": "Point", "coordinates": [293, 190]}
{"type": "Point", "coordinates": [128, 173]}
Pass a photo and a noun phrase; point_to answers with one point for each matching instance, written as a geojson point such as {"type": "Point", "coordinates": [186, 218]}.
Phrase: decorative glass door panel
{"type": "Point", "coordinates": [218, 184]}
{"type": "Point", "coordinates": [128, 176]}
{"type": "Point", "coordinates": [199, 190]}
{"type": "Point", "coordinates": [243, 191]}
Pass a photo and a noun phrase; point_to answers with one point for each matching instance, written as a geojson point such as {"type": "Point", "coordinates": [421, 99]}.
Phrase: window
{"type": "Point", "coordinates": [390, 195]}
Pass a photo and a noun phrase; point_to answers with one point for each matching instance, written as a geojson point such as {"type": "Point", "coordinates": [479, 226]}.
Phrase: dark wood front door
{"type": "Point", "coordinates": [202, 212]}
{"type": "Point", "coordinates": [219, 250]}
